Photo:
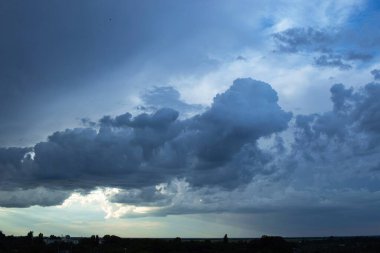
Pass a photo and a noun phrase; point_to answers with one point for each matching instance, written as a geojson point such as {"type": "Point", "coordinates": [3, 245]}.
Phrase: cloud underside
{"type": "Point", "coordinates": [242, 154]}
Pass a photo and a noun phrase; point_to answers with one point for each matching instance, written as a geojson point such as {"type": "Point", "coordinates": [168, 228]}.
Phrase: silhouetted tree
{"type": "Point", "coordinates": [225, 238]}
{"type": "Point", "coordinates": [271, 244]}
{"type": "Point", "coordinates": [30, 235]}
{"type": "Point", "coordinates": [111, 239]}
{"type": "Point", "coordinates": [94, 240]}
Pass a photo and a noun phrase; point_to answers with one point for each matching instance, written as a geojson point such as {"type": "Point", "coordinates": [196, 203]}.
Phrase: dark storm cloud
{"type": "Point", "coordinates": [37, 196]}
{"type": "Point", "coordinates": [376, 74]}
{"type": "Point", "coordinates": [330, 167]}
{"type": "Point", "coordinates": [148, 196]}
{"type": "Point", "coordinates": [12, 157]}
{"type": "Point", "coordinates": [331, 48]}
{"type": "Point", "coordinates": [11, 163]}
{"type": "Point", "coordinates": [229, 127]}
{"type": "Point", "coordinates": [216, 148]}
{"type": "Point", "coordinates": [212, 162]}
{"type": "Point", "coordinates": [349, 132]}
{"type": "Point", "coordinates": [358, 108]}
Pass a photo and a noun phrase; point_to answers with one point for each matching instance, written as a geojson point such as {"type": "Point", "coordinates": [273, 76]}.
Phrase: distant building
{"type": "Point", "coordinates": [51, 240]}
{"type": "Point", "coordinates": [66, 239]}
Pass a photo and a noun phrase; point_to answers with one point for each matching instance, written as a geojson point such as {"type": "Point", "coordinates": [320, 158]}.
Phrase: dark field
{"type": "Point", "coordinates": [113, 244]}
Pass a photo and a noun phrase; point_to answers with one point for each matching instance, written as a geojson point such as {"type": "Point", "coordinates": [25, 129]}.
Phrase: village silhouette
{"type": "Point", "coordinates": [113, 244]}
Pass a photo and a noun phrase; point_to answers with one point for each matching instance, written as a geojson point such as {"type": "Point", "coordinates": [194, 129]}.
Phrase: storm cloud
{"type": "Point", "coordinates": [376, 74]}
{"type": "Point", "coordinates": [340, 148]}
{"type": "Point", "coordinates": [243, 155]}
{"type": "Point", "coordinates": [36, 196]}
{"type": "Point", "coordinates": [143, 151]}
{"type": "Point", "coordinates": [330, 165]}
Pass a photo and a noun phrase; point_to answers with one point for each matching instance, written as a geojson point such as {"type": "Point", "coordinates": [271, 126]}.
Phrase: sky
{"type": "Point", "coordinates": [190, 118]}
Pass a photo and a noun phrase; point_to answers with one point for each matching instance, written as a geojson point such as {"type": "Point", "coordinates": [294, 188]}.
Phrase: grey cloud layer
{"type": "Point", "coordinates": [209, 149]}
{"type": "Point", "coordinates": [328, 47]}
